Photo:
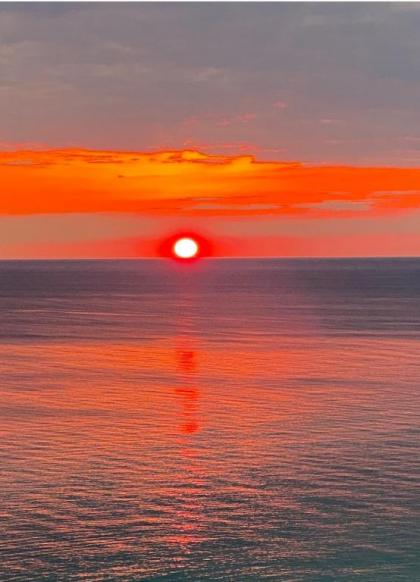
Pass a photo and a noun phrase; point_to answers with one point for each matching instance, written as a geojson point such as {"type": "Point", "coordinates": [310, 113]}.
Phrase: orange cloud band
{"type": "Point", "coordinates": [192, 183]}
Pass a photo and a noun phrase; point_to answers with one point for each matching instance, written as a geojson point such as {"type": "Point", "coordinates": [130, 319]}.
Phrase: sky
{"type": "Point", "coordinates": [274, 129]}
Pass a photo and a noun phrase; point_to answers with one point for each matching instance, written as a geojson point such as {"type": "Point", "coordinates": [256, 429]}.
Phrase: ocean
{"type": "Point", "coordinates": [221, 420]}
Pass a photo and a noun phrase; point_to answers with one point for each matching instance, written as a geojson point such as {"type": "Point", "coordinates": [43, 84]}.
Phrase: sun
{"type": "Point", "coordinates": [186, 248]}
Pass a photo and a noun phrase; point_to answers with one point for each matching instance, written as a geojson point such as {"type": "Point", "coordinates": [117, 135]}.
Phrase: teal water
{"type": "Point", "coordinates": [226, 420]}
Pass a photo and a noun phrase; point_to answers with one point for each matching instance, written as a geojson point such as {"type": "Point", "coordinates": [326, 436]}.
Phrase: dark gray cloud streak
{"type": "Point", "coordinates": [345, 78]}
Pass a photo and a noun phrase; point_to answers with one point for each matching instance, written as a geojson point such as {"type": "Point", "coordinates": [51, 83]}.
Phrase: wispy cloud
{"type": "Point", "coordinates": [176, 182]}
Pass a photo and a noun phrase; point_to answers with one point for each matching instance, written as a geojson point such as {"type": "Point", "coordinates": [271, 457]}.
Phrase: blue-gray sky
{"type": "Point", "coordinates": [319, 83]}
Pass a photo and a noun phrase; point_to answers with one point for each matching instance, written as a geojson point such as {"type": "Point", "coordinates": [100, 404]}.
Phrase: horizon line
{"type": "Point", "coordinates": [241, 258]}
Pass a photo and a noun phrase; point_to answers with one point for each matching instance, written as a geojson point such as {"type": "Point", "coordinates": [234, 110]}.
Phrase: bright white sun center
{"type": "Point", "coordinates": [185, 248]}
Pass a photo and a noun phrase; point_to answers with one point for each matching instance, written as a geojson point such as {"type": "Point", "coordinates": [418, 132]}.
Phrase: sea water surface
{"type": "Point", "coordinates": [224, 420]}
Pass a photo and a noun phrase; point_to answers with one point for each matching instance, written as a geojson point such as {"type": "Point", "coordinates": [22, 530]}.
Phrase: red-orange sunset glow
{"type": "Point", "coordinates": [197, 184]}
{"type": "Point", "coordinates": [319, 209]}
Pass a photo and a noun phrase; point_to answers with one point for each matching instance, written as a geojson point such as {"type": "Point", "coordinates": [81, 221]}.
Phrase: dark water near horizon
{"type": "Point", "coordinates": [228, 420]}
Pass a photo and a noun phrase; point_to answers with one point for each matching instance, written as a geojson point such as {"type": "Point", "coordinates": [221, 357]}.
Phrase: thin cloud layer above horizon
{"type": "Point", "coordinates": [191, 183]}
{"type": "Point", "coordinates": [230, 118]}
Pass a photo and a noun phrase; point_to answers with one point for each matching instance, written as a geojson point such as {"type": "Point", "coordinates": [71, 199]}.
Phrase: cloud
{"type": "Point", "coordinates": [342, 205]}
{"type": "Point", "coordinates": [189, 182]}
{"type": "Point", "coordinates": [236, 208]}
